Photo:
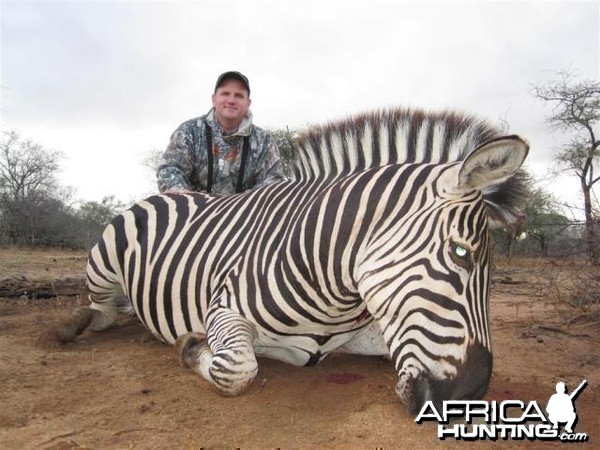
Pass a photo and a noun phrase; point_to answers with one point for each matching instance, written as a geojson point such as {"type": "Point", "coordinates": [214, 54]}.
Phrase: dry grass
{"type": "Point", "coordinates": [570, 287]}
{"type": "Point", "coordinates": [41, 263]}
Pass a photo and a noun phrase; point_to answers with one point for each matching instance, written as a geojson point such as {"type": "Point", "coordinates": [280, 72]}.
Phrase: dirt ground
{"type": "Point", "coordinates": [122, 389]}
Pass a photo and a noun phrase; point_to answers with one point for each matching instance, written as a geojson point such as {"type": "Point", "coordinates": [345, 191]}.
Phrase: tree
{"type": "Point", "coordinates": [27, 182]}
{"type": "Point", "coordinates": [94, 217]}
{"type": "Point", "coordinates": [152, 159]}
{"type": "Point", "coordinates": [26, 169]}
{"type": "Point", "coordinates": [544, 222]}
{"type": "Point", "coordinates": [576, 109]}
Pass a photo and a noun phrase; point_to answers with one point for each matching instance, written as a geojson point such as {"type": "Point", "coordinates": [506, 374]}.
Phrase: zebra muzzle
{"type": "Point", "coordinates": [413, 389]}
{"type": "Point", "coordinates": [471, 381]}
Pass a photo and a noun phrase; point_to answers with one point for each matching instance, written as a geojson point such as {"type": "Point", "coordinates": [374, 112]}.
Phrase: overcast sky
{"type": "Point", "coordinates": [104, 82]}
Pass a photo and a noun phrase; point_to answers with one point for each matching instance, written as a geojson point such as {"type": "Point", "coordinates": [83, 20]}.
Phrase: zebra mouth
{"type": "Point", "coordinates": [413, 390]}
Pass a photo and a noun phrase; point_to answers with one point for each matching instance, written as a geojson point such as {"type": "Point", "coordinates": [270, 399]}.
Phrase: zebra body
{"type": "Point", "coordinates": [380, 246]}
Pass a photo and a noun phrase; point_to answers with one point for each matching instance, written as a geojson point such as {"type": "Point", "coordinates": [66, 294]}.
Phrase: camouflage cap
{"type": "Point", "coordinates": [235, 76]}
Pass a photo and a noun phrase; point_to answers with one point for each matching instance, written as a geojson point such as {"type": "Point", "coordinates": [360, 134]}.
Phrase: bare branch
{"type": "Point", "coordinates": [576, 109]}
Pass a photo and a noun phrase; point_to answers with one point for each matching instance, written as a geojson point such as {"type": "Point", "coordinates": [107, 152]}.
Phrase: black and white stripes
{"type": "Point", "coordinates": [379, 244]}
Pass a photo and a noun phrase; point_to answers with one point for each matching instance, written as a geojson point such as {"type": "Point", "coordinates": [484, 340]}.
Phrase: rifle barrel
{"type": "Point", "coordinates": [576, 391]}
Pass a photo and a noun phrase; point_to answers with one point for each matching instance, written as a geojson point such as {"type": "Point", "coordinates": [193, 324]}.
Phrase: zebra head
{"type": "Point", "coordinates": [424, 275]}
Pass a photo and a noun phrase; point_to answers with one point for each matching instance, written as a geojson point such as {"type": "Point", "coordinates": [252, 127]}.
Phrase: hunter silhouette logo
{"type": "Point", "coordinates": [560, 406]}
{"type": "Point", "coordinates": [508, 419]}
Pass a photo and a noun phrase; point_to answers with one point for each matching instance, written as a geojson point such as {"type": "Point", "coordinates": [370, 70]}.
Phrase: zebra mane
{"type": "Point", "coordinates": [399, 135]}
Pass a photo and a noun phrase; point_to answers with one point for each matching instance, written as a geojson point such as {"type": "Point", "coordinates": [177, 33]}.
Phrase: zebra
{"type": "Point", "coordinates": [378, 245]}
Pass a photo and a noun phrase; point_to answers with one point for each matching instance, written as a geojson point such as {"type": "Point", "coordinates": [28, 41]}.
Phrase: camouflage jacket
{"type": "Point", "coordinates": [184, 165]}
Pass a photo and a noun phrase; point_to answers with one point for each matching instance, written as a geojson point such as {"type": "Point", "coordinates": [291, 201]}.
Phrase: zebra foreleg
{"type": "Point", "coordinates": [96, 317]}
{"type": "Point", "coordinates": [225, 357]}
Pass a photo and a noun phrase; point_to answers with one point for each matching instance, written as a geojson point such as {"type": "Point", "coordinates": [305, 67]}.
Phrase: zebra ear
{"type": "Point", "coordinates": [492, 163]}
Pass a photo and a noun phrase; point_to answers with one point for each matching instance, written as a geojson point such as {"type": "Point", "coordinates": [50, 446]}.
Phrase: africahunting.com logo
{"type": "Point", "coordinates": [508, 419]}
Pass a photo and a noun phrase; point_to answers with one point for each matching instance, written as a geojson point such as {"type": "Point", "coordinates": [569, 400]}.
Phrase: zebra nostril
{"type": "Point", "coordinates": [414, 390]}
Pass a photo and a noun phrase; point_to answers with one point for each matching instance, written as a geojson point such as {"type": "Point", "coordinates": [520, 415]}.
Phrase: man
{"type": "Point", "coordinates": [221, 152]}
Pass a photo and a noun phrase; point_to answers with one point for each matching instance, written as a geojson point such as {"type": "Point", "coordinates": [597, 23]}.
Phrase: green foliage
{"type": "Point", "coordinates": [286, 143]}
{"type": "Point", "coordinates": [100, 213]}
{"type": "Point", "coordinates": [94, 216]}
{"type": "Point", "coordinates": [545, 230]}
{"type": "Point", "coordinates": [544, 221]}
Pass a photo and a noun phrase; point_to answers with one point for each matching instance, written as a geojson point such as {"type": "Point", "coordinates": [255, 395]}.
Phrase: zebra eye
{"type": "Point", "coordinates": [461, 255]}
{"type": "Point", "coordinates": [459, 251]}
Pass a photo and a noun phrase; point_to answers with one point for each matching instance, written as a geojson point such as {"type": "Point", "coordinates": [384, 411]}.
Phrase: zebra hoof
{"type": "Point", "coordinates": [68, 330]}
{"type": "Point", "coordinates": [51, 339]}
{"type": "Point", "coordinates": [188, 347]}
